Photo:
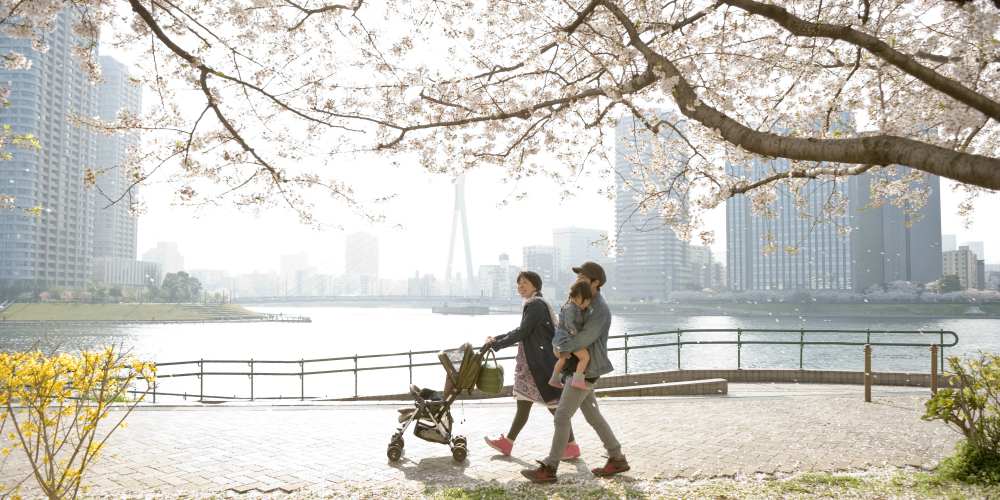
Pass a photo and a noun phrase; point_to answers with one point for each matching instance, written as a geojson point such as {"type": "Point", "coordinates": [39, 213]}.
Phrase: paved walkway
{"type": "Point", "coordinates": [758, 428]}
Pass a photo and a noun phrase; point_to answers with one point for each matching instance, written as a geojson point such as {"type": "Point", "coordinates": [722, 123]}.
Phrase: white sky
{"type": "Point", "coordinates": [240, 241]}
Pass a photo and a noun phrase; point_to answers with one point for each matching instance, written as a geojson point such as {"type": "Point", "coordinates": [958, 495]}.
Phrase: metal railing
{"type": "Point", "coordinates": [678, 342]}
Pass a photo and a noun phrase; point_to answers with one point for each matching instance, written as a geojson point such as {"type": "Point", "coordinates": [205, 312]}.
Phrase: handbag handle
{"type": "Point", "coordinates": [489, 353]}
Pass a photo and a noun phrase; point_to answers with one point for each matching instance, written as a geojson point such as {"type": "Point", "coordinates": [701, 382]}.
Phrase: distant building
{"type": "Point", "coordinates": [787, 252]}
{"type": "Point", "coordinates": [53, 247]}
{"type": "Point", "coordinates": [700, 265]}
{"type": "Point", "coordinates": [980, 274]}
{"type": "Point", "coordinates": [295, 274]}
{"type": "Point", "coordinates": [421, 286]}
{"type": "Point", "coordinates": [114, 222]}
{"type": "Point", "coordinates": [867, 246]}
{"type": "Point", "coordinates": [497, 280]}
{"type": "Point", "coordinates": [361, 259]}
{"type": "Point", "coordinates": [978, 248]}
{"type": "Point", "coordinates": [126, 273]}
{"type": "Point", "coordinates": [949, 242]}
{"type": "Point", "coordinates": [889, 245]}
{"type": "Point", "coordinates": [543, 260]}
{"type": "Point", "coordinates": [650, 261]}
{"type": "Point", "coordinates": [961, 263]}
{"type": "Point", "coordinates": [574, 246]}
{"type": "Point", "coordinates": [167, 256]}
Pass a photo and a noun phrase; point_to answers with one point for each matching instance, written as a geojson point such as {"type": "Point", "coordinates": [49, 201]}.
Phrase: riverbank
{"type": "Point", "coordinates": [135, 313]}
{"type": "Point", "coordinates": [787, 309]}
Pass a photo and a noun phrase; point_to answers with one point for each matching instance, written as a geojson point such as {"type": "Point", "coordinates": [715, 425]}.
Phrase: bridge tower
{"type": "Point", "coordinates": [460, 214]}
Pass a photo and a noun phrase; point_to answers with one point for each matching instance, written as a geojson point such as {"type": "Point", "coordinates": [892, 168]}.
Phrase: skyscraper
{"type": "Point", "coordinates": [574, 246]}
{"type": "Point", "coordinates": [54, 247]}
{"type": "Point", "coordinates": [543, 259]}
{"type": "Point", "coordinates": [361, 263]}
{"type": "Point", "coordinates": [167, 256]}
{"type": "Point", "coordinates": [787, 252]}
{"type": "Point", "coordinates": [888, 244]}
{"type": "Point", "coordinates": [962, 263]}
{"type": "Point", "coordinates": [651, 261]}
{"type": "Point", "coordinates": [114, 225]}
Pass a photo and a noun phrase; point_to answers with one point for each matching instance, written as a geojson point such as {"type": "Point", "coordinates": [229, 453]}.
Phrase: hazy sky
{"type": "Point", "coordinates": [242, 242]}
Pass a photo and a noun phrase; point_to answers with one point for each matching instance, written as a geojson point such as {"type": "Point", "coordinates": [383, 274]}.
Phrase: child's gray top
{"type": "Point", "coordinates": [570, 322]}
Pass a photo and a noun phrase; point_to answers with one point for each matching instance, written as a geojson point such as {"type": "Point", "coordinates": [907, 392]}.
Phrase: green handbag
{"type": "Point", "coordinates": [490, 378]}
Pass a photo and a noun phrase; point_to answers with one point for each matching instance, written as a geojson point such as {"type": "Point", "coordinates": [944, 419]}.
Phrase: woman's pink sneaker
{"type": "Point", "coordinates": [502, 444]}
{"type": "Point", "coordinates": [572, 451]}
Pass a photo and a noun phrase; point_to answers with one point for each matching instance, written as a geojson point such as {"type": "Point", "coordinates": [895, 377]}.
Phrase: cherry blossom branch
{"type": "Point", "coordinates": [905, 62]}
{"type": "Point", "coordinates": [807, 173]}
{"type": "Point", "coordinates": [877, 150]}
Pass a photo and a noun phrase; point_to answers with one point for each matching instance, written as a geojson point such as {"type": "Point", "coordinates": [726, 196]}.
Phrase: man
{"type": "Point", "coordinates": [594, 337]}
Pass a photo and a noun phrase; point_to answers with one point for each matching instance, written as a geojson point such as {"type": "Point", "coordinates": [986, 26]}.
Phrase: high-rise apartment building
{"type": "Point", "coordinates": [650, 260]}
{"type": "Point", "coordinates": [54, 246]}
{"type": "Point", "coordinates": [114, 224]}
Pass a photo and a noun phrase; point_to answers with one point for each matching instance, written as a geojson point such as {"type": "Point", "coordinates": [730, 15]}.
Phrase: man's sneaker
{"type": "Point", "coordinates": [501, 444]}
{"type": "Point", "coordinates": [543, 474]}
{"type": "Point", "coordinates": [614, 466]}
{"type": "Point", "coordinates": [572, 451]}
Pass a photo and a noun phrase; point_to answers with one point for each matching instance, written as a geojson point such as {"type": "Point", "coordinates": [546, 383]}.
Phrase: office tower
{"type": "Point", "coordinates": [961, 263]}
{"type": "Point", "coordinates": [167, 256]}
{"type": "Point", "coordinates": [574, 246]}
{"type": "Point", "coordinates": [650, 261]}
{"type": "Point", "coordinates": [361, 263]}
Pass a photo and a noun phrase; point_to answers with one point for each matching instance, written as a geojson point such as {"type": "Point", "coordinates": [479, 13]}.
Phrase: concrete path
{"type": "Point", "coordinates": [757, 429]}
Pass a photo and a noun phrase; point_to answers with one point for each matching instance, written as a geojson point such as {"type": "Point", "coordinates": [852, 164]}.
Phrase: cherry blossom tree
{"type": "Point", "coordinates": [264, 101]}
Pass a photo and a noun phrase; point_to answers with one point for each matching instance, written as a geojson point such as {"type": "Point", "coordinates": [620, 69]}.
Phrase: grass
{"type": "Point", "coordinates": [123, 312]}
{"type": "Point", "coordinates": [877, 484]}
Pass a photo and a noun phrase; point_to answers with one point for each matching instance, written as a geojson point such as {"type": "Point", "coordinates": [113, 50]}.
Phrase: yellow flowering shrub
{"type": "Point", "coordinates": [52, 409]}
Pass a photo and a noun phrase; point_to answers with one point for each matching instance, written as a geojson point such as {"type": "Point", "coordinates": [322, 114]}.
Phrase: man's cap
{"type": "Point", "coordinates": [592, 270]}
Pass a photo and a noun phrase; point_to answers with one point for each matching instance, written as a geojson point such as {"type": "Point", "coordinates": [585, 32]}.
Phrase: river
{"type": "Point", "coordinates": [345, 331]}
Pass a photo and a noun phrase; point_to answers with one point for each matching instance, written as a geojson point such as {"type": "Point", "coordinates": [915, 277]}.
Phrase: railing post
{"type": "Point", "coordinates": [739, 348]}
{"type": "Point", "coordinates": [201, 380]}
{"type": "Point", "coordinates": [802, 345]}
{"type": "Point", "coordinates": [302, 379]}
{"type": "Point", "coordinates": [355, 376]}
{"type": "Point", "coordinates": [934, 368]}
{"type": "Point", "coordinates": [868, 373]}
{"type": "Point", "coordinates": [154, 391]}
{"type": "Point", "coordinates": [409, 364]}
{"type": "Point", "coordinates": [251, 379]}
{"type": "Point", "coordinates": [941, 343]}
{"type": "Point", "coordinates": [678, 349]}
{"type": "Point", "coordinates": [626, 352]}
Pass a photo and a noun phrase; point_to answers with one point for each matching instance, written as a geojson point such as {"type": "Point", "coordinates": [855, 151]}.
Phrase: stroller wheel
{"type": "Point", "coordinates": [395, 449]}
{"type": "Point", "coordinates": [459, 453]}
{"type": "Point", "coordinates": [461, 441]}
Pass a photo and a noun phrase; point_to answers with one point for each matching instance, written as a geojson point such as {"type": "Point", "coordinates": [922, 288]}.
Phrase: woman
{"type": "Point", "coordinates": [534, 362]}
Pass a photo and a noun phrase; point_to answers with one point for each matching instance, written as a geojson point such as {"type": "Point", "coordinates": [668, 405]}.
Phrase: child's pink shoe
{"type": "Point", "coordinates": [501, 444]}
{"type": "Point", "coordinates": [555, 382]}
{"type": "Point", "coordinates": [579, 381]}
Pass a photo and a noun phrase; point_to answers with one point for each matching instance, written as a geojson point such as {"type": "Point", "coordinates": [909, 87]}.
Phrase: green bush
{"type": "Point", "coordinates": [972, 404]}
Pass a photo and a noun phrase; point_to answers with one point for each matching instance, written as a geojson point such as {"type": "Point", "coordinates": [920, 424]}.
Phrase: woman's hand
{"type": "Point", "coordinates": [489, 343]}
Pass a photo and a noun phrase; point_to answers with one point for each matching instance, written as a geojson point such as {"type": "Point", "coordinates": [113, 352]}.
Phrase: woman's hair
{"type": "Point", "coordinates": [533, 278]}
{"type": "Point", "coordinates": [582, 290]}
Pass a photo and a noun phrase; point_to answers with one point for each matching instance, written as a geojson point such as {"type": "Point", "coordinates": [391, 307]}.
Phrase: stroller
{"type": "Point", "coordinates": [431, 414]}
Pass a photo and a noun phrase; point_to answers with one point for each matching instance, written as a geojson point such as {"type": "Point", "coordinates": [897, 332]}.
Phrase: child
{"type": "Point", "coordinates": [570, 322]}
